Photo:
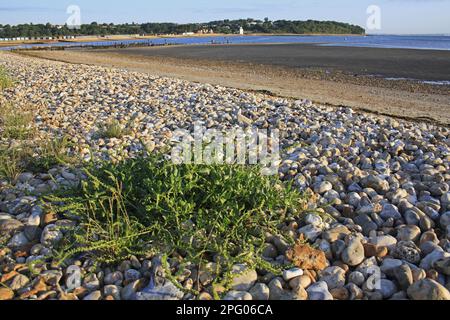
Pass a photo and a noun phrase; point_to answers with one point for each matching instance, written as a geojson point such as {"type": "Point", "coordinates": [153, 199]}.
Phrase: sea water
{"type": "Point", "coordinates": [372, 41]}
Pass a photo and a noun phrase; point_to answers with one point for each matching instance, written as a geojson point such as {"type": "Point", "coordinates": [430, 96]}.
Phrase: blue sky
{"type": "Point", "coordinates": [397, 16]}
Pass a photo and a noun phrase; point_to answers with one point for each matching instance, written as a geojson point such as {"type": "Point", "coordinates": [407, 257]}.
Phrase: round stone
{"type": "Point", "coordinates": [428, 289]}
{"type": "Point", "coordinates": [353, 254]}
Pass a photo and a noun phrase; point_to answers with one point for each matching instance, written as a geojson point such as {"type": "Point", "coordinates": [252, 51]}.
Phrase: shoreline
{"type": "Point", "coordinates": [401, 99]}
{"type": "Point", "coordinates": [131, 37]}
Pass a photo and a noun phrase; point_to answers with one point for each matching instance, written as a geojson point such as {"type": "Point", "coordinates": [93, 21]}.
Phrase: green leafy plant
{"type": "Point", "coordinates": [201, 213]}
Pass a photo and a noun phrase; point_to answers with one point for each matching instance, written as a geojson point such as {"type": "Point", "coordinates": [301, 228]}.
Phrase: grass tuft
{"type": "Point", "coordinates": [49, 154]}
{"type": "Point", "coordinates": [11, 163]}
{"type": "Point", "coordinates": [37, 158]}
{"type": "Point", "coordinates": [112, 129]}
{"type": "Point", "coordinates": [5, 79]}
{"type": "Point", "coordinates": [15, 124]}
{"type": "Point", "coordinates": [201, 213]}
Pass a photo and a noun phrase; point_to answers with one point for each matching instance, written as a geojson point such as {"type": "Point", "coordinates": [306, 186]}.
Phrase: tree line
{"type": "Point", "coordinates": [222, 26]}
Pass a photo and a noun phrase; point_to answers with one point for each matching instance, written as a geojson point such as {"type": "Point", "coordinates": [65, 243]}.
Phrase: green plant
{"type": "Point", "coordinates": [112, 129]}
{"type": "Point", "coordinates": [11, 162]}
{"type": "Point", "coordinates": [5, 79]}
{"type": "Point", "coordinates": [16, 124]}
{"type": "Point", "coordinates": [37, 157]}
{"type": "Point", "coordinates": [202, 213]}
{"type": "Point", "coordinates": [50, 153]}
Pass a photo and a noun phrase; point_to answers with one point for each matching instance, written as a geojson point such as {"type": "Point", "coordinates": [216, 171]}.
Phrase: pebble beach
{"type": "Point", "coordinates": [380, 184]}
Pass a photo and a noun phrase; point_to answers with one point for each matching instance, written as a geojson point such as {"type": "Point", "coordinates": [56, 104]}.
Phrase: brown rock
{"type": "Point", "coordinates": [429, 236]}
{"type": "Point", "coordinates": [303, 281]}
{"type": "Point", "coordinates": [348, 211]}
{"type": "Point", "coordinates": [337, 233]}
{"type": "Point", "coordinates": [341, 265]}
{"type": "Point", "coordinates": [14, 267]}
{"type": "Point", "coordinates": [382, 252]}
{"type": "Point", "coordinates": [4, 252]}
{"type": "Point", "coordinates": [428, 289]}
{"type": "Point", "coordinates": [8, 276]}
{"type": "Point", "coordinates": [48, 295]}
{"type": "Point", "coordinates": [205, 296]}
{"type": "Point", "coordinates": [300, 293]}
{"type": "Point", "coordinates": [8, 267]}
{"type": "Point", "coordinates": [418, 274]}
{"type": "Point", "coordinates": [38, 288]}
{"type": "Point", "coordinates": [293, 226]}
{"type": "Point", "coordinates": [311, 274]}
{"type": "Point", "coordinates": [340, 294]}
{"type": "Point", "coordinates": [355, 292]}
{"type": "Point", "coordinates": [20, 254]}
{"type": "Point", "coordinates": [49, 218]}
{"type": "Point", "coordinates": [67, 296]}
{"type": "Point", "coordinates": [6, 294]}
{"type": "Point", "coordinates": [432, 274]}
{"type": "Point", "coordinates": [372, 250]}
{"type": "Point", "coordinates": [81, 292]}
{"type": "Point", "coordinates": [306, 257]}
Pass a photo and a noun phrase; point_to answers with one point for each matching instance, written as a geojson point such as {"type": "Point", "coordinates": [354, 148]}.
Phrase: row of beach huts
{"type": "Point", "coordinates": [38, 38]}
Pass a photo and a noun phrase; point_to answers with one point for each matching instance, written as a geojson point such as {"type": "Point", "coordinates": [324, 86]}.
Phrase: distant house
{"type": "Point", "coordinates": [241, 31]}
{"type": "Point", "coordinates": [188, 34]}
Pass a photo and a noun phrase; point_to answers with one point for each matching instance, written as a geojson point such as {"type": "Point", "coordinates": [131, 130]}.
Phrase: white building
{"type": "Point", "coordinates": [241, 31]}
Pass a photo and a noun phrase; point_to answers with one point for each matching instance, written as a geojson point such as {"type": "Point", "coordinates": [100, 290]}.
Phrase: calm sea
{"type": "Point", "coordinates": [373, 41]}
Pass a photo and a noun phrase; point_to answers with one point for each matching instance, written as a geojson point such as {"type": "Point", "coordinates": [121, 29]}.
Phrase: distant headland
{"type": "Point", "coordinates": [242, 26]}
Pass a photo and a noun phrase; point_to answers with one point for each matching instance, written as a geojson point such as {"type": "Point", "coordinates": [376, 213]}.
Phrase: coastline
{"type": "Point", "coordinates": [402, 99]}
{"type": "Point", "coordinates": [133, 37]}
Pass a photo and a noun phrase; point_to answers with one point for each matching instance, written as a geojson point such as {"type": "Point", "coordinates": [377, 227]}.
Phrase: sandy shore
{"type": "Point", "coordinates": [345, 83]}
{"type": "Point", "coordinates": [394, 63]}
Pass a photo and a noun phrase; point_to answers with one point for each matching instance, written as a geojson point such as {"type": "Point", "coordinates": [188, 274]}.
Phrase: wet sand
{"type": "Point", "coordinates": [398, 63]}
{"type": "Point", "coordinates": [329, 75]}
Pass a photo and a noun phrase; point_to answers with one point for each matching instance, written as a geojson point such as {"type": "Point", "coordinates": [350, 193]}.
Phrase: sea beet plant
{"type": "Point", "coordinates": [195, 213]}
